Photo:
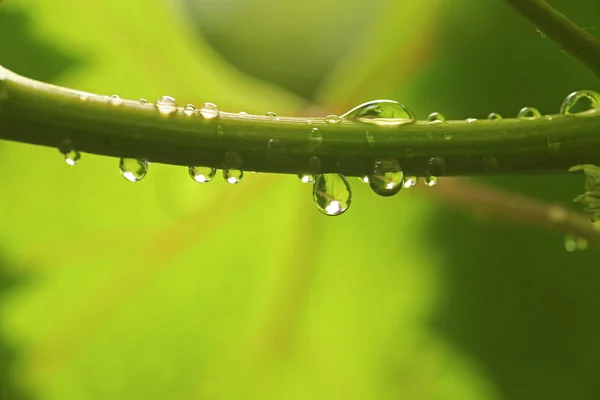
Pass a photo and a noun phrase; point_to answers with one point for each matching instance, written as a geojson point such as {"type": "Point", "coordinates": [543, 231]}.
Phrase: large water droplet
{"type": "Point", "coordinates": [189, 110]}
{"type": "Point", "coordinates": [332, 194]}
{"type": "Point", "coordinates": [436, 118]}
{"type": "Point", "coordinates": [116, 100]}
{"type": "Point", "coordinates": [494, 117]}
{"type": "Point", "coordinates": [132, 169]}
{"type": "Point", "coordinates": [381, 112]}
{"type": "Point", "coordinates": [306, 178]}
{"type": "Point", "coordinates": [166, 105]}
{"type": "Point", "coordinates": [233, 176]}
{"type": "Point", "coordinates": [580, 101]}
{"type": "Point", "coordinates": [529, 113]}
{"type": "Point", "coordinates": [202, 174]}
{"type": "Point", "coordinates": [410, 181]}
{"type": "Point", "coordinates": [387, 178]}
{"type": "Point", "coordinates": [430, 180]}
{"type": "Point", "coordinates": [209, 111]}
{"type": "Point", "coordinates": [332, 119]}
{"type": "Point", "coordinates": [315, 138]}
{"type": "Point", "coordinates": [72, 157]}
{"type": "Point", "coordinates": [436, 166]}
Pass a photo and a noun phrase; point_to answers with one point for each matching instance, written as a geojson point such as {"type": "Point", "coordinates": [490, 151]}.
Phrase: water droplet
{"type": "Point", "coordinates": [132, 169]}
{"type": "Point", "coordinates": [363, 179]}
{"type": "Point", "coordinates": [84, 97]}
{"type": "Point", "coordinates": [575, 243]}
{"type": "Point", "coordinates": [116, 100]}
{"type": "Point", "coordinates": [448, 135]}
{"type": "Point", "coordinates": [243, 113]}
{"type": "Point", "coordinates": [410, 181]}
{"type": "Point", "coordinates": [166, 105]}
{"type": "Point", "coordinates": [315, 162]}
{"type": "Point", "coordinates": [381, 112]}
{"type": "Point", "coordinates": [472, 120]}
{"type": "Point", "coordinates": [143, 101]}
{"type": "Point", "coordinates": [233, 176]}
{"type": "Point", "coordinates": [332, 194]}
{"type": "Point", "coordinates": [306, 178]}
{"type": "Point", "coordinates": [189, 110]}
{"type": "Point", "coordinates": [430, 180]}
{"type": "Point", "coordinates": [490, 163]}
{"type": "Point", "coordinates": [384, 182]}
{"type": "Point", "coordinates": [436, 118]}
{"type": "Point", "coordinates": [494, 116]}
{"type": "Point", "coordinates": [332, 119]}
{"type": "Point", "coordinates": [580, 101]}
{"type": "Point", "coordinates": [436, 166]}
{"type": "Point", "coordinates": [271, 114]}
{"type": "Point", "coordinates": [220, 132]}
{"type": "Point", "coordinates": [308, 122]}
{"type": "Point", "coordinates": [202, 174]}
{"type": "Point", "coordinates": [529, 113]}
{"type": "Point", "coordinates": [315, 138]}
{"type": "Point", "coordinates": [72, 157]}
{"type": "Point", "coordinates": [209, 111]}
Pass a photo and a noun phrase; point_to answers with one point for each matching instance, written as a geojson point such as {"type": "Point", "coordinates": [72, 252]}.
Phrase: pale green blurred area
{"type": "Point", "coordinates": [170, 289]}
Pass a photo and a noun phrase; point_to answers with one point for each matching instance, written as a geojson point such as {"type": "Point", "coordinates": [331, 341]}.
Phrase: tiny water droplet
{"type": "Point", "coordinates": [143, 101]}
{"type": "Point", "coordinates": [132, 169]}
{"type": "Point", "coordinates": [580, 101]}
{"type": "Point", "coordinates": [529, 113]}
{"type": "Point", "coordinates": [490, 163]}
{"type": "Point", "coordinates": [386, 183]}
{"type": "Point", "coordinates": [315, 138]}
{"type": "Point", "coordinates": [381, 112]}
{"type": "Point", "coordinates": [271, 114]}
{"type": "Point", "coordinates": [84, 97]}
{"type": "Point", "coordinates": [243, 113]}
{"type": "Point", "coordinates": [370, 138]}
{"type": "Point", "coordinates": [472, 120]}
{"type": "Point", "coordinates": [332, 194]}
{"type": "Point", "coordinates": [189, 110]}
{"type": "Point", "coordinates": [430, 180]}
{"type": "Point", "coordinates": [494, 117]}
{"type": "Point", "coordinates": [436, 118]}
{"type": "Point", "coordinates": [410, 181]}
{"type": "Point", "coordinates": [306, 178]}
{"type": "Point", "coordinates": [209, 111]}
{"type": "Point", "coordinates": [72, 157]}
{"type": "Point", "coordinates": [332, 119]}
{"type": "Point", "coordinates": [315, 162]}
{"type": "Point", "coordinates": [448, 135]}
{"type": "Point", "coordinates": [436, 166]}
{"type": "Point", "coordinates": [220, 132]}
{"type": "Point", "coordinates": [233, 176]}
{"type": "Point", "coordinates": [166, 105]}
{"type": "Point", "coordinates": [116, 100]}
{"type": "Point", "coordinates": [202, 174]}
{"type": "Point", "coordinates": [363, 179]}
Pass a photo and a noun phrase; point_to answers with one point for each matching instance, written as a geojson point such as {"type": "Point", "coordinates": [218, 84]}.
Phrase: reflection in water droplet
{"type": "Point", "coordinates": [166, 105]}
{"type": "Point", "coordinates": [132, 169]}
{"type": "Point", "coordinates": [410, 181]}
{"type": "Point", "coordinates": [430, 180]}
{"type": "Point", "coordinates": [575, 243]}
{"type": "Point", "coordinates": [116, 100]}
{"type": "Point", "coordinates": [381, 112]}
{"type": "Point", "coordinates": [332, 119]}
{"type": "Point", "coordinates": [233, 176]}
{"type": "Point", "coordinates": [529, 113]}
{"type": "Point", "coordinates": [209, 111]}
{"type": "Point", "coordinates": [494, 117]}
{"type": "Point", "coordinates": [363, 179]}
{"type": "Point", "coordinates": [580, 101]}
{"type": "Point", "coordinates": [315, 138]}
{"type": "Point", "coordinates": [306, 178]}
{"type": "Point", "coordinates": [189, 110]}
{"type": "Point", "coordinates": [436, 166]}
{"type": "Point", "coordinates": [202, 174]}
{"type": "Point", "coordinates": [387, 178]}
{"type": "Point", "coordinates": [72, 157]}
{"type": "Point", "coordinates": [436, 118]}
{"type": "Point", "coordinates": [332, 194]}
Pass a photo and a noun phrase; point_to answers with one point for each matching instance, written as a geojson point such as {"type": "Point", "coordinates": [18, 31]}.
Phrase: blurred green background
{"type": "Point", "coordinates": [167, 289]}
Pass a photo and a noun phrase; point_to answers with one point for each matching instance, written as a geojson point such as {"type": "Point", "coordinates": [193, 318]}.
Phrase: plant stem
{"type": "Point", "coordinates": [581, 45]}
{"type": "Point", "coordinates": [43, 114]}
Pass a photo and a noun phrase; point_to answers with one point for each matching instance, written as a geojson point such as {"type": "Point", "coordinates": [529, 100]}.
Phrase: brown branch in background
{"type": "Point", "coordinates": [581, 45]}
{"type": "Point", "coordinates": [524, 210]}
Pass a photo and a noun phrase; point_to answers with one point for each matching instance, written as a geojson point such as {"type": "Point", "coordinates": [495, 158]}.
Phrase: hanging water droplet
{"type": "Point", "coordinates": [116, 100]}
{"type": "Point", "coordinates": [494, 116]}
{"type": "Point", "coordinates": [472, 120]}
{"type": "Point", "coordinates": [315, 138]}
{"type": "Point", "coordinates": [387, 178]}
{"type": "Point", "coordinates": [430, 180]}
{"type": "Point", "coordinates": [332, 194]}
{"type": "Point", "coordinates": [529, 113]}
{"type": "Point", "coordinates": [410, 181]}
{"type": "Point", "coordinates": [436, 166]}
{"type": "Point", "coordinates": [436, 118]}
{"type": "Point", "coordinates": [271, 114]}
{"type": "Point", "coordinates": [132, 169]}
{"type": "Point", "coordinates": [189, 110]}
{"type": "Point", "coordinates": [233, 176]}
{"type": "Point", "coordinates": [72, 157]}
{"type": "Point", "coordinates": [363, 179]}
{"type": "Point", "coordinates": [580, 101]}
{"type": "Point", "coordinates": [381, 112]}
{"type": "Point", "coordinates": [202, 174]}
{"type": "Point", "coordinates": [332, 119]}
{"type": "Point", "coordinates": [209, 111]}
{"type": "Point", "coordinates": [166, 105]}
{"type": "Point", "coordinates": [306, 178]}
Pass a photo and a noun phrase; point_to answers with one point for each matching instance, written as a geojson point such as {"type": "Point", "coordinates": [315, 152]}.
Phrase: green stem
{"type": "Point", "coordinates": [581, 45]}
{"type": "Point", "coordinates": [42, 114]}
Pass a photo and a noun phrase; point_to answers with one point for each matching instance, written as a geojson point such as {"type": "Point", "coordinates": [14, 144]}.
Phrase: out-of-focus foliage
{"type": "Point", "coordinates": [170, 289]}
